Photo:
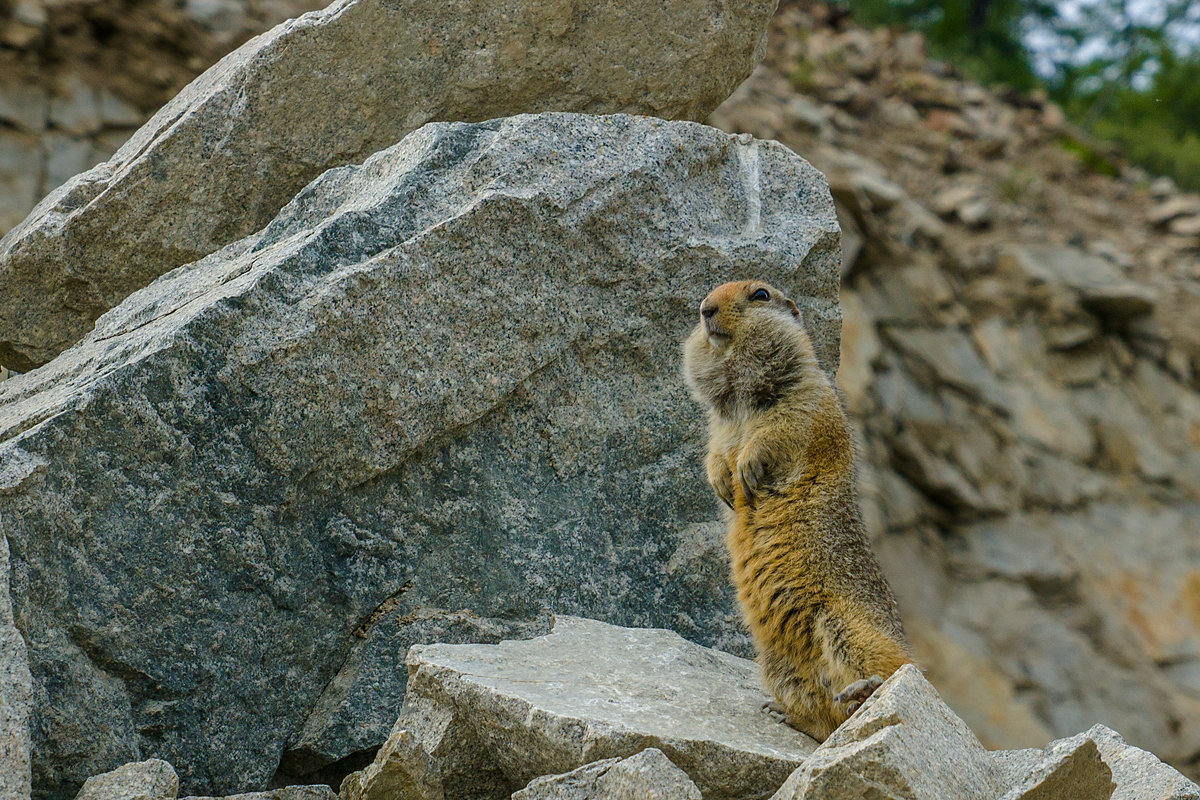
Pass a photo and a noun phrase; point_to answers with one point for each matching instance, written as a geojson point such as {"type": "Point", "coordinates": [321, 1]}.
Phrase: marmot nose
{"type": "Point", "coordinates": [709, 312]}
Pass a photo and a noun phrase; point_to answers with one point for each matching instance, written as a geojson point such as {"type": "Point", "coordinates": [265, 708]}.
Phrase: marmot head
{"type": "Point", "coordinates": [736, 309]}
{"type": "Point", "coordinates": [748, 348]}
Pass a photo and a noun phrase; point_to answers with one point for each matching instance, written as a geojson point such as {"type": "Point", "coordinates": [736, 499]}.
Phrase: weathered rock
{"type": "Point", "coordinates": [950, 354]}
{"type": "Point", "coordinates": [1185, 226]}
{"type": "Point", "coordinates": [402, 768]}
{"type": "Point", "coordinates": [904, 743]}
{"type": "Point", "coordinates": [1138, 775]}
{"type": "Point", "coordinates": [1101, 286]}
{"type": "Point", "coordinates": [329, 88]}
{"type": "Point", "coordinates": [15, 688]}
{"type": "Point", "coordinates": [286, 793]}
{"type": "Point", "coordinates": [1180, 206]}
{"type": "Point", "coordinates": [649, 775]}
{"type": "Point", "coordinates": [590, 691]}
{"type": "Point", "coordinates": [153, 779]}
{"type": "Point", "coordinates": [1069, 770]}
{"type": "Point", "coordinates": [446, 379]}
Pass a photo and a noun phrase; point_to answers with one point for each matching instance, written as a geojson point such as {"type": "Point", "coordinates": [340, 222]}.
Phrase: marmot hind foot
{"type": "Point", "coordinates": [857, 693]}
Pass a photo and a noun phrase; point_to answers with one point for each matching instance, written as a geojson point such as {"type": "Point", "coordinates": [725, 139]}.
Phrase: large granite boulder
{"type": "Point", "coordinates": [442, 383]}
{"type": "Point", "coordinates": [330, 88]}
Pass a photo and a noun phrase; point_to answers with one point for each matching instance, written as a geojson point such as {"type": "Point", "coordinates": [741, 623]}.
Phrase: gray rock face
{"type": "Point", "coordinates": [649, 775]}
{"type": "Point", "coordinates": [15, 690]}
{"type": "Point", "coordinates": [445, 379]}
{"type": "Point", "coordinates": [329, 88]}
{"type": "Point", "coordinates": [361, 700]}
{"type": "Point", "coordinates": [590, 691]}
{"type": "Point", "coordinates": [904, 743]}
{"type": "Point", "coordinates": [144, 780]}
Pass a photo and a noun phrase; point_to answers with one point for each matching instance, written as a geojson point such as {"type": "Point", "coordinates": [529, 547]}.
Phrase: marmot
{"type": "Point", "coordinates": [780, 455]}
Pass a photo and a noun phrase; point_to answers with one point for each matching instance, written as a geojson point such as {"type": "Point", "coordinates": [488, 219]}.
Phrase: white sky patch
{"type": "Point", "coordinates": [1102, 22]}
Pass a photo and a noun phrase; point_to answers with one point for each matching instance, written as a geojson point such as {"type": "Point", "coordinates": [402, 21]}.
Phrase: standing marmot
{"type": "Point", "coordinates": [780, 455]}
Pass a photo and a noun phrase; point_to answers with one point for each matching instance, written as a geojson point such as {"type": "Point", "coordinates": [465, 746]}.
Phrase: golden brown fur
{"type": "Point", "coordinates": [781, 457]}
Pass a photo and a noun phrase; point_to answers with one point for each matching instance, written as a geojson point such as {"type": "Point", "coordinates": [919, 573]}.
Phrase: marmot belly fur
{"type": "Point", "coordinates": [780, 455]}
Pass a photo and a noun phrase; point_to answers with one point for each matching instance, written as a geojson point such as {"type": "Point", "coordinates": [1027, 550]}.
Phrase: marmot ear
{"type": "Point", "coordinates": [792, 306]}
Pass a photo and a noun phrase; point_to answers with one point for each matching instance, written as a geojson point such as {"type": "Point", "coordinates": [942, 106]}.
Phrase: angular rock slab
{"type": "Point", "coordinates": [153, 779]}
{"type": "Point", "coordinates": [649, 775]}
{"type": "Point", "coordinates": [444, 379]}
{"type": "Point", "coordinates": [1071, 770]}
{"type": "Point", "coordinates": [1138, 774]}
{"type": "Point", "coordinates": [904, 743]}
{"type": "Point", "coordinates": [330, 88]}
{"type": "Point", "coordinates": [590, 691]}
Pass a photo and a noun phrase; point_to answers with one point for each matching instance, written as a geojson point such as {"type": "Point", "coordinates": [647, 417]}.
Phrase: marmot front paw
{"type": "Point", "coordinates": [752, 472]}
{"type": "Point", "coordinates": [720, 478]}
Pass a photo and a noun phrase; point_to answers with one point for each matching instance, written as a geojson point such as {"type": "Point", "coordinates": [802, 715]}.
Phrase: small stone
{"type": "Point", "coordinates": [805, 114]}
{"type": "Point", "coordinates": [1183, 205]}
{"type": "Point", "coordinates": [1163, 187]}
{"type": "Point", "coordinates": [30, 12]}
{"type": "Point", "coordinates": [143, 780]}
{"type": "Point", "coordinates": [649, 775]}
{"type": "Point", "coordinates": [964, 203]}
{"type": "Point", "coordinates": [1185, 226]}
{"type": "Point", "coordinates": [975, 214]}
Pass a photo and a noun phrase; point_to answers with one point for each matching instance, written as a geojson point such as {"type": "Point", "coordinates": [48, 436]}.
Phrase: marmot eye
{"type": "Point", "coordinates": [761, 294]}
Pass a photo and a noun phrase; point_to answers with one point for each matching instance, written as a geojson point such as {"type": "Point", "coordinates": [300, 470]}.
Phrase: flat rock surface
{"type": "Point", "coordinates": [443, 380]}
{"type": "Point", "coordinates": [327, 89]}
{"type": "Point", "coordinates": [590, 691]}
